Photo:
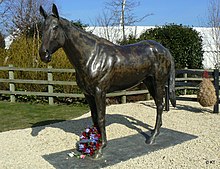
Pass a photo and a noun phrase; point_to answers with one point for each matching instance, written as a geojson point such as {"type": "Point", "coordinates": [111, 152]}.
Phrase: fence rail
{"type": "Point", "coordinates": [184, 82]}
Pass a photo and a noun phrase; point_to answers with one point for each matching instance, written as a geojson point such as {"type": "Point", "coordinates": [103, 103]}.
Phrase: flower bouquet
{"type": "Point", "coordinates": [90, 141]}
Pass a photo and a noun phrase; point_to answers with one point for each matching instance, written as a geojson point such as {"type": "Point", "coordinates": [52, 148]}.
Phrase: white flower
{"type": "Point", "coordinates": [81, 146]}
{"type": "Point", "coordinates": [92, 136]}
{"type": "Point", "coordinates": [87, 151]}
{"type": "Point", "coordinates": [87, 130]}
{"type": "Point", "coordinates": [82, 137]}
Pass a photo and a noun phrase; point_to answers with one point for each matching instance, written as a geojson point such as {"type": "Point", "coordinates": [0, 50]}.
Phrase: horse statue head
{"type": "Point", "coordinates": [53, 36]}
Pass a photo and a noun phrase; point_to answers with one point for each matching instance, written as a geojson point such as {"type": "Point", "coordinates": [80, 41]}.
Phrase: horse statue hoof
{"type": "Point", "coordinates": [97, 155]}
{"type": "Point", "coordinates": [150, 141]}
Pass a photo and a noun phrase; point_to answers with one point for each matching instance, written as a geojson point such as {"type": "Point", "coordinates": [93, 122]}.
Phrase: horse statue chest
{"type": "Point", "coordinates": [97, 72]}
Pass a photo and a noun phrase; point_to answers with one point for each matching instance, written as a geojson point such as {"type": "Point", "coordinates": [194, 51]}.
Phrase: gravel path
{"type": "Point", "coordinates": [25, 148]}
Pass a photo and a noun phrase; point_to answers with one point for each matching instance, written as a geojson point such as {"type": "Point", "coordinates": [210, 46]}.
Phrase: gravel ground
{"type": "Point", "coordinates": [25, 148]}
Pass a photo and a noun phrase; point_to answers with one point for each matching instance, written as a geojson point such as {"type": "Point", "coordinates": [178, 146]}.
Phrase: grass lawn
{"type": "Point", "coordinates": [23, 115]}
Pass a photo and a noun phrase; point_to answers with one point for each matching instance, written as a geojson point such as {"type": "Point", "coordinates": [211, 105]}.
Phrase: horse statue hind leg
{"type": "Point", "coordinates": [156, 86]}
{"type": "Point", "coordinates": [157, 94]}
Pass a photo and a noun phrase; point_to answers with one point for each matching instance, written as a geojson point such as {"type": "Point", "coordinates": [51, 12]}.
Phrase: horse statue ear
{"type": "Point", "coordinates": [43, 12]}
{"type": "Point", "coordinates": [55, 11]}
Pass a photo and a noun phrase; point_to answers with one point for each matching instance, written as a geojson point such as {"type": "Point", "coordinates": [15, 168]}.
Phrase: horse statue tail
{"type": "Point", "coordinates": [172, 93]}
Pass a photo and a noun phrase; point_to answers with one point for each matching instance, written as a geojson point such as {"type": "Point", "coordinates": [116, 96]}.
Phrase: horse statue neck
{"type": "Point", "coordinates": [80, 45]}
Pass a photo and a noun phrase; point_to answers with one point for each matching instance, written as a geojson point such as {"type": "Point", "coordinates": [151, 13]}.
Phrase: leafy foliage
{"type": "Point", "coordinates": [79, 24]}
{"type": "Point", "coordinates": [184, 43]}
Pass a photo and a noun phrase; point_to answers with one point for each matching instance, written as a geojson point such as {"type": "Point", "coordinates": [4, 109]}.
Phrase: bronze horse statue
{"type": "Point", "coordinates": [102, 67]}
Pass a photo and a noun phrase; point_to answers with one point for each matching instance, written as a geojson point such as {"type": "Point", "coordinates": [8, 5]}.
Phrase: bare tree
{"type": "Point", "coordinates": [108, 29]}
{"type": "Point", "coordinates": [214, 23]}
{"type": "Point", "coordinates": [122, 11]}
{"type": "Point", "coordinates": [21, 15]}
{"type": "Point", "coordinates": [119, 13]}
{"type": "Point", "coordinates": [2, 41]}
{"type": "Point", "coordinates": [3, 14]}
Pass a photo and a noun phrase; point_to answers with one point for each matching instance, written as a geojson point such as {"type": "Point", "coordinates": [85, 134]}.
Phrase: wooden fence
{"type": "Point", "coordinates": [184, 81]}
{"type": "Point", "coordinates": [50, 82]}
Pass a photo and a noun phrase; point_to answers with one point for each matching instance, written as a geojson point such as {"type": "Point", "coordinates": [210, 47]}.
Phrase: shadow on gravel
{"type": "Point", "coordinates": [118, 150]}
{"type": "Point", "coordinates": [77, 126]}
{"type": "Point", "coordinates": [47, 122]}
{"type": "Point", "coordinates": [193, 109]}
{"type": "Point", "coordinates": [181, 107]}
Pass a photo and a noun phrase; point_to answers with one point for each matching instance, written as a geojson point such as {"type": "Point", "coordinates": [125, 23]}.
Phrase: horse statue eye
{"type": "Point", "coordinates": [55, 27]}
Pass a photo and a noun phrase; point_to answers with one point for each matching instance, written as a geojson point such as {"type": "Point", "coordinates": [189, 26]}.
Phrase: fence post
{"type": "Point", "coordinates": [50, 86]}
{"type": "Point", "coordinates": [11, 85]}
{"type": "Point", "coordinates": [124, 98]}
{"type": "Point", "coordinates": [185, 76]}
{"type": "Point", "coordinates": [148, 96]}
{"type": "Point", "coordinates": [216, 84]}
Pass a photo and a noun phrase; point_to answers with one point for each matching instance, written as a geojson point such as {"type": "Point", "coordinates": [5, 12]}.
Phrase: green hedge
{"type": "Point", "coordinates": [184, 43]}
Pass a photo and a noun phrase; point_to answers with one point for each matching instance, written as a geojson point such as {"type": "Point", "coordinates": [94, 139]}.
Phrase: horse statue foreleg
{"type": "Point", "coordinates": [98, 117]}
{"type": "Point", "coordinates": [92, 105]}
{"type": "Point", "coordinates": [97, 106]}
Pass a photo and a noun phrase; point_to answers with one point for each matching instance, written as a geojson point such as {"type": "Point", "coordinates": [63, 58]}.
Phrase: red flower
{"type": "Point", "coordinates": [91, 152]}
{"type": "Point", "coordinates": [84, 149]}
